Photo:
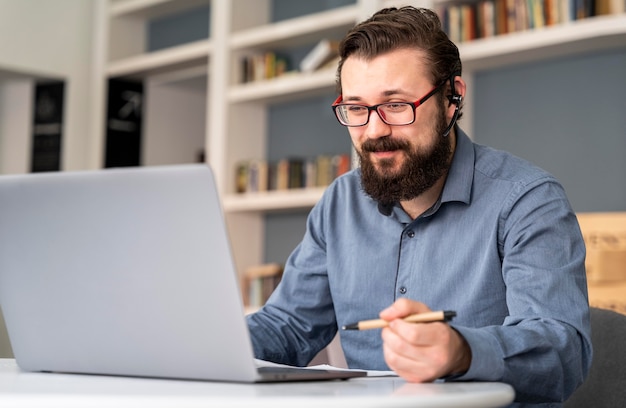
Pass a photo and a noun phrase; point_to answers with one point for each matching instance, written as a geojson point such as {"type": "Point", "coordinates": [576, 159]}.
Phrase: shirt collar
{"type": "Point", "coordinates": [458, 185]}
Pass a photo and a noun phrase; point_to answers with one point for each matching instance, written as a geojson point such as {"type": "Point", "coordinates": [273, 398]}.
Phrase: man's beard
{"type": "Point", "coordinates": [420, 171]}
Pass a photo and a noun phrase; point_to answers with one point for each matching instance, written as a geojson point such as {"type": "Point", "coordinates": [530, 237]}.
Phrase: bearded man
{"type": "Point", "coordinates": [432, 221]}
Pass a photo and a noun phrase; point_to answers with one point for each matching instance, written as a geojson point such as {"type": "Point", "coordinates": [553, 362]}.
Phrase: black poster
{"type": "Point", "coordinates": [123, 126]}
{"type": "Point", "coordinates": [47, 127]}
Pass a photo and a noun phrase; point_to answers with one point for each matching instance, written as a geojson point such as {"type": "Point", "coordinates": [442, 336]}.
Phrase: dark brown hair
{"type": "Point", "coordinates": [405, 27]}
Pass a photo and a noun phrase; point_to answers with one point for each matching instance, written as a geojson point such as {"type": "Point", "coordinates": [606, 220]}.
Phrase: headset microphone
{"type": "Point", "coordinates": [385, 208]}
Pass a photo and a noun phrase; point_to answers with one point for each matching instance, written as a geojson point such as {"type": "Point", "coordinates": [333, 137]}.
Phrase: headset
{"type": "Point", "coordinates": [455, 99]}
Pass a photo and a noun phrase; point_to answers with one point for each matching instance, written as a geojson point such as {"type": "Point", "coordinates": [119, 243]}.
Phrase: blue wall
{"type": "Point", "coordinates": [566, 115]}
{"type": "Point", "coordinates": [181, 28]}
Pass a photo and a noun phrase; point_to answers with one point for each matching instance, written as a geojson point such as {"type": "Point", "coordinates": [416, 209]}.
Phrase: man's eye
{"type": "Point", "coordinates": [357, 109]}
{"type": "Point", "coordinates": [396, 106]}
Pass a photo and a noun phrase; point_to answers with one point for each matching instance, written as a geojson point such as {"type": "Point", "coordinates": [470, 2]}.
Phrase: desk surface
{"type": "Point", "coordinates": [23, 389]}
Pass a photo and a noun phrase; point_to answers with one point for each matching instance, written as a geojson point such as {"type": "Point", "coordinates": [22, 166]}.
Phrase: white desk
{"type": "Point", "coordinates": [22, 389]}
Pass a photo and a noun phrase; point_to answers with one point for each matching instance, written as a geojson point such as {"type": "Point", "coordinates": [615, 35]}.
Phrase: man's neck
{"type": "Point", "coordinates": [419, 205]}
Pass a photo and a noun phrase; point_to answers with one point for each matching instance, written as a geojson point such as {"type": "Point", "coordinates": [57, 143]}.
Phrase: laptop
{"type": "Point", "coordinates": [126, 272]}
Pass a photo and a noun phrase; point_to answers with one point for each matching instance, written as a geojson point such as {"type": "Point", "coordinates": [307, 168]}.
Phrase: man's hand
{"type": "Point", "coordinates": [422, 352]}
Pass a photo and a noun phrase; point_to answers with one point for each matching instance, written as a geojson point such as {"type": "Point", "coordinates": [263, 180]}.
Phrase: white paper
{"type": "Point", "coordinates": [370, 373]}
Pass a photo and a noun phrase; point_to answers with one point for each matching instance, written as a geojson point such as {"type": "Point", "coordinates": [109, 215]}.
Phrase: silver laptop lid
{"type": "Point", "coordinates": [121, 271]}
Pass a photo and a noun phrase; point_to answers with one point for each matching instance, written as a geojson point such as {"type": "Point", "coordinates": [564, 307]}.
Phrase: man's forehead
{"type": "Point", "coordinates": [399, 62]}
{"type": "Point", "coordinates": [389, 74]}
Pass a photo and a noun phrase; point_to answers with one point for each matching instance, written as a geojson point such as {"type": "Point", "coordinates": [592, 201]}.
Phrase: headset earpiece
{"type": "Point", "coordinates": [455, 99]}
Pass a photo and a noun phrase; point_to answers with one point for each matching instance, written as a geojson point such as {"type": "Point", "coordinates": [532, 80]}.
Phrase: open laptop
{"type": "Point", "coordinates": [125, 272]}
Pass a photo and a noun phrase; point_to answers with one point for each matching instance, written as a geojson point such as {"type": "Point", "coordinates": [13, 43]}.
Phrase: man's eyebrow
{"type": "Point", "coordinates": [390, 92]}
{"type": "Point", "coordinates": [351, 99]}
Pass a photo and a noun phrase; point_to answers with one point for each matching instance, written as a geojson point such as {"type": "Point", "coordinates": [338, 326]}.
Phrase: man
{"type": "Point", "coordinates": [432, 221]}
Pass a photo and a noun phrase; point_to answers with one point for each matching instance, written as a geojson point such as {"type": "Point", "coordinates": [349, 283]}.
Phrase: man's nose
{"type": "Point", "coordinates": [375, 127]}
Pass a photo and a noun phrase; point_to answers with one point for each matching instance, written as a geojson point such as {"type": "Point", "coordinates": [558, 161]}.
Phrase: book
{"type": "Point", "coordinates": [257, 176]}
{"type": "Point", "coordinates": [617, 6]}
{"type": "Point", "coordinates": [324, 51]}
{"type": "Point", "coordinates": [454, 22]}
{"type": "Point", "coordinates": [310, 173]}
{"type": "Point", "coordinates": [262, 66]}
{"type": "Point", "coordinates": [602, 7]}
{"type": "Point", "coordinates": [241, 177]}
{"type": "Point", "coordinates": [324, 170]}
{"type": "Point", "coordinates": [296, 173]}
{"type": "Point", "coordinates": [282, 174]}
{"type": "Point", "coordinates": [341, 164]}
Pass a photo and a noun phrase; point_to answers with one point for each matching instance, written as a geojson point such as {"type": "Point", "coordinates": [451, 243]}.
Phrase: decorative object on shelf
{"type": "Point", "coordinates": [324, 51]}
{"type": "Point", "coordinates": [47, 126]}
{"type": "Point", "coordinates": [123, 126]}
{"type": "Point", "coordinates": [259, 282]}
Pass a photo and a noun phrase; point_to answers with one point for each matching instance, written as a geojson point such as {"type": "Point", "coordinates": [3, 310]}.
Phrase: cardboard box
{"type": "Point", "coordinates": [605, 239]}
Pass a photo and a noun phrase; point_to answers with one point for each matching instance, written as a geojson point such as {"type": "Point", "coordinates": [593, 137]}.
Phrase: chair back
{"type": "Point", "coordinates": [606, 384]}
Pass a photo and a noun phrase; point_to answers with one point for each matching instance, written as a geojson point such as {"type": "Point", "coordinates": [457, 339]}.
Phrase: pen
{"type": "Point", "coordinates": [439, 316]}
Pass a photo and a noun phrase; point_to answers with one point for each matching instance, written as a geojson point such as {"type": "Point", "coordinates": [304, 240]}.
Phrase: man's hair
{"type": "Point", "coordinates": [407, 27]}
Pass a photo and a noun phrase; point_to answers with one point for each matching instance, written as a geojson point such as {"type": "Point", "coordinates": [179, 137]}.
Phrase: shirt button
{"type": "Point", "coordinates": [402, 290]}
{"type": "Point", "coordinates": [410, 234]}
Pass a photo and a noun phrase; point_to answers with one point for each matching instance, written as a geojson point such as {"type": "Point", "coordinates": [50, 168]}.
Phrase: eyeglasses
{"type": "Point", "coordinates": [392, 113]}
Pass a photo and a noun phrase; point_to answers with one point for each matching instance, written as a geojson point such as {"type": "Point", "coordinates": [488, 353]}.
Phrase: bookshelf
{"type": "Point", "coordinates": [228, 120]}
{"type": "Point", "coordinates": [576, 37]}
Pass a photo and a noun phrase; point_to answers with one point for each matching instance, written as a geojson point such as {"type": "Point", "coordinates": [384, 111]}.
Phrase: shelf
{"type": "Point", "coordinates": [180, 57]}
{"type": "Point", "coordinates": [288, 87]}
{"type": "Point", "coordinates": [272, 200]}
{"type": "Point", "coordinates": [9, 73]}
{"type": "Point", "coordinates": [576, 37]}
{"type": "Point", "coordinates": [152, 8]}
{"type": "Point", "coordinates": [297, 31]}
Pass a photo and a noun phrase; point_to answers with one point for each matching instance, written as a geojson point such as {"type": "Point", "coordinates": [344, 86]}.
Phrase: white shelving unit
{"type": "Point", "coordinates": [175, 78]}
{"type": "Point", "coordinates": [229, 119]}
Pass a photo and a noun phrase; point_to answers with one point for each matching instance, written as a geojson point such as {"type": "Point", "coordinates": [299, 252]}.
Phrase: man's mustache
{"type": "Point", "coordinates": [384, 144]}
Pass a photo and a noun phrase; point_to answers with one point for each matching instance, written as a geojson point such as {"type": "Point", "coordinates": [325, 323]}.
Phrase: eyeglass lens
{"type": "Point", "coordinates": [392, 113]}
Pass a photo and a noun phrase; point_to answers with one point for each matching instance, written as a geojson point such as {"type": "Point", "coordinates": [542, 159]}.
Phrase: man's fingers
{"type": "Point", "coordinates": [402, 308]}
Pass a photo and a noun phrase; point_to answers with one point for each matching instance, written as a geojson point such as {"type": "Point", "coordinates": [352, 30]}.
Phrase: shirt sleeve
{"type": "Point", "coordinates": [547, 332]}
{"type": "Point", "coordinates": [298, 320]}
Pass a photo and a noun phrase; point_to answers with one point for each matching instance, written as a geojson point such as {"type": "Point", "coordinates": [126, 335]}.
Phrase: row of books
{"type": "Point", "coordinates": [263, 66]}
{"type": "Point", "coordinates": [259, 282]}
{"type": "Point", "coordinates": [466, 21]}
{"type": "Point", "coordinates": [261, 175]}
{"type": "Point", "coordinates": [268, 65]}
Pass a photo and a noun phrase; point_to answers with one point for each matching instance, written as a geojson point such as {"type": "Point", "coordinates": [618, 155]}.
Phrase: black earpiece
{"type": "Point", "coordinates": [456, 99]}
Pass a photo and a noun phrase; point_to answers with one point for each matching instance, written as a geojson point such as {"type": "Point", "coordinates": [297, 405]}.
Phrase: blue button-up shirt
{"type": "Point", "coordinates": [501, 246]}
